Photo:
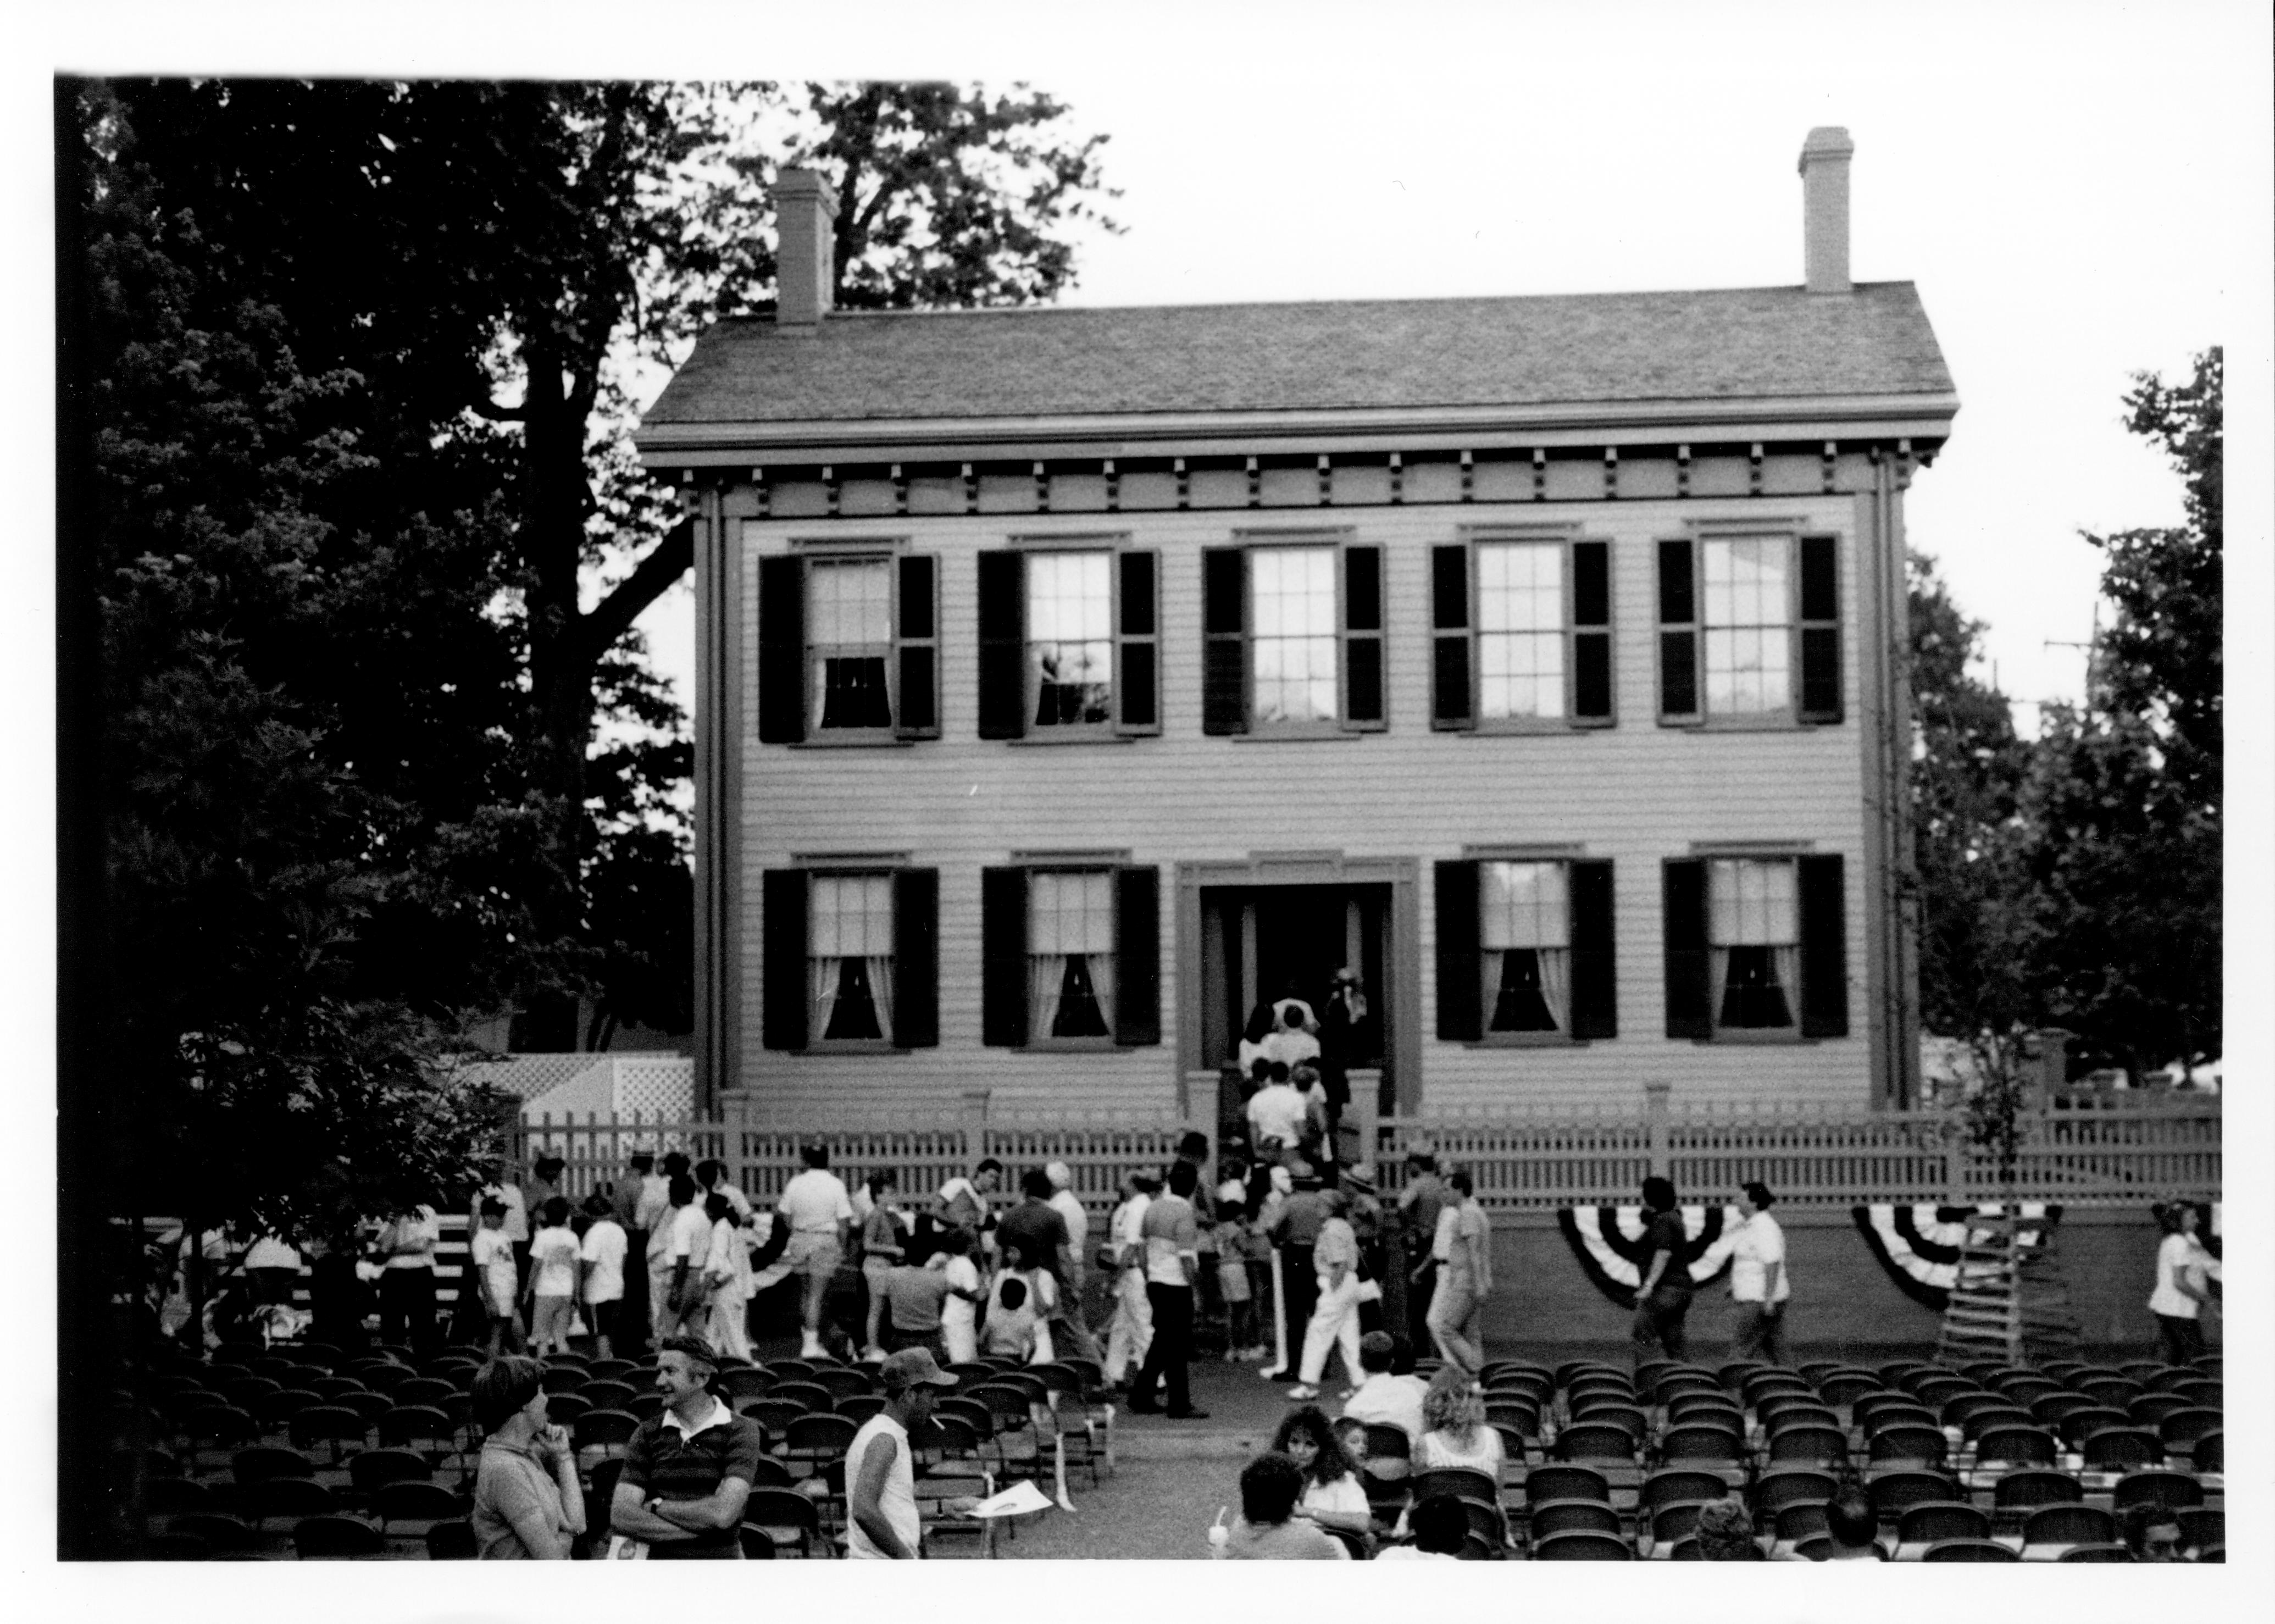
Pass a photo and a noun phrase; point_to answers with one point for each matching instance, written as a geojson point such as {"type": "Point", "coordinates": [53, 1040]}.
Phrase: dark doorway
{"type": "Point", "coordinates": [1258, 940]}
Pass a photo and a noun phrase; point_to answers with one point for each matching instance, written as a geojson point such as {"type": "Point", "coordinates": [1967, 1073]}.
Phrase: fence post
{"type": "Point", "coordinates": [1654, 1113]}
{"type": "Point", "coordinates": [973, 1121]}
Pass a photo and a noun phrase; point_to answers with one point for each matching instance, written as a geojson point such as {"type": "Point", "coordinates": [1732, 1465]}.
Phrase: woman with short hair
{"type": "Point", "coordinates": [727, 1280]}
{"type": "Point", "coordinates": [1453, 1427]}
{"type": "Point", "coordinates": [528, 1504]}
{"type": "Point", "coordinates": [1333, 1498]}
{"type": "Point", "coordinates": [2181, 1295]}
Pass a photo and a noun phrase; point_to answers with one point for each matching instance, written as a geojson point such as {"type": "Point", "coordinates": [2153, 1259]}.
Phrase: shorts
{"type": "Point", "coordinates": [604, 1316]}
{"type": "Point", "coordinates": [813, 1252]}
{"type": "Point", "coordinates": [874, 1270]}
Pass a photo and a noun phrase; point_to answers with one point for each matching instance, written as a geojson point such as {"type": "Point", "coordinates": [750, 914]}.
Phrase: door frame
{"type": "Point", "coordinates": [1401, 1002]}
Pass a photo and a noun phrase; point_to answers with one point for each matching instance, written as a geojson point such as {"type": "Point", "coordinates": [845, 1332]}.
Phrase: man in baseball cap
{"type": "Point", "coordinates": [881, 1478]}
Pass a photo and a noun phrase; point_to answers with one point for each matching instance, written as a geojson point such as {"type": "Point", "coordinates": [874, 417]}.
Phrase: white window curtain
{"type": "Point", "coordinates": [1526, 908]}
{"type": "Point", "coordinates": [848, 607]}
{"type": "Point", "coordinates": [1068, 916]}
{"type": "Point", "coordinates": [1754, 903]}
{"type": "Point", "coordinates": [850, 916]}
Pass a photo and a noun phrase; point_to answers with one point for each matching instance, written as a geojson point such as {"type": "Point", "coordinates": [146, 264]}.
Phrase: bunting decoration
{"type": "Point", "coordinates": [1919, 1244]}
{"type": "Point", "coordinates": [1608, 1241]}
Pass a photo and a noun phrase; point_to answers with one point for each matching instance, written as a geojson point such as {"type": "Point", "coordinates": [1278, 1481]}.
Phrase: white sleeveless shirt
{"type": "Point", "coordinates": [899, 1501]}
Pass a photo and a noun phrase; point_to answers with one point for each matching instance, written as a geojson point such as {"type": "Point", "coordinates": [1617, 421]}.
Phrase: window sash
{"type": "Point", "coordinates": [1524, 906]}
{"type": "Point", "coordinates": [1294, 619]}
{"type": "Point", "coordinates": [1753, 903]}
{"type": "Point", "coordinates": [850, 681]}
{"type": "Point", "coordinates": [1071, 612]}
{"type": "Point", "coordinates": [850, 915]}
{"type": "Point", "coordinates": [1746, 617]}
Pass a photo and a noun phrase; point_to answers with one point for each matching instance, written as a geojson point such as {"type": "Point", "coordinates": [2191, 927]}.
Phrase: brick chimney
{"type": "Point", "coordinates": [1825, 206]}
{"type": "Point", "coordinates": [805, 271]}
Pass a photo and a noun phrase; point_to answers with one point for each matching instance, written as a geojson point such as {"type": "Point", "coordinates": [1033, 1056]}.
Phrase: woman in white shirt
{"type": "Point", "coordinates": [1332, 1498]}
{"type": "Point", "coordinates": [727, 1280]}
{"type": "Point", "coordinates": [1454, 1429]}
{"type": "Point", "coordinates": [2179, 1296]}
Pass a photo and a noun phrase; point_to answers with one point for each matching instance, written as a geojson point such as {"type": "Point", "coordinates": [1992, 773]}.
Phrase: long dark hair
{"type": "Point", "coordinates": [1334, 1461]}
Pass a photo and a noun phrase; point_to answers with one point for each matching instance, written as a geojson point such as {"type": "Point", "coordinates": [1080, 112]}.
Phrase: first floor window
{"type": "Point", "coordinates": [1753, 939]}
{"type": "Point", "coordinates": [1526, 943]}
{"type": "Point", "coordinates": [1070, 954]}
{"type": "Point", "coordinates": [849, 957]}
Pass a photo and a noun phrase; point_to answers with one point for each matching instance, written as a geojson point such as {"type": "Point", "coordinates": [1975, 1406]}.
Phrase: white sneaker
{"type": "Point", "coordinates": [1300, 1392]}
{"type": "Point", "coordinates": [812, 1349]}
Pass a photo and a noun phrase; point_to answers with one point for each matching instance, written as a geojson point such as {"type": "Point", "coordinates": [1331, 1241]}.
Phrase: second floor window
{"type": "Point", "coordinates": [1521, 634]}
{"type": "Point", "coordinates": [1519, 629]}
{"type": "Point", "coordinates": [1292, 609]}
{"type": "Point", "coordinates": [1291, 638]}
{"type": "Point", "coordinates": [849, 628]}
{"type": "Point", "coordinates": [1071, 639]}
{"type": "Point", "coordinates": [1750, 629]}
{"type": "Point", "coordinates": [1747, 619]}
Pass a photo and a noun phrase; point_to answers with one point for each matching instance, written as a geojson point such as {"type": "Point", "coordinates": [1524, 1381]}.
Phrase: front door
{"type": "Point", "coordinates": [1270, 941]}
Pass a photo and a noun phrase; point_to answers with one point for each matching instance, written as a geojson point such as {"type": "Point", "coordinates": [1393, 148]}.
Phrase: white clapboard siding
{"type": "Point", "coordinates": [1635, 793]}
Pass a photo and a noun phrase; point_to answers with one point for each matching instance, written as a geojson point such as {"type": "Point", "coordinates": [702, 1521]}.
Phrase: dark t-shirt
{"type": "Point", "coordinates": [914, 1297]}
{"type": "Point", "coordinates": [661, 1463]}
{"type": "Point", "coordinates": [1664, 1233]}
{"type": "Point", "coordinates": [1037, 1230]}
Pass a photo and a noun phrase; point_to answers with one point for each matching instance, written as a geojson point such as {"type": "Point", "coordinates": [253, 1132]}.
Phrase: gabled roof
{"type": "Point", "coordinates": [1051, 362]}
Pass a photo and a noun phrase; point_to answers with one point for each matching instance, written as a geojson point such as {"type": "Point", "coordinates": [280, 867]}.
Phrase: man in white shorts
{"type": "Point", "coordinates": [819, 1212]}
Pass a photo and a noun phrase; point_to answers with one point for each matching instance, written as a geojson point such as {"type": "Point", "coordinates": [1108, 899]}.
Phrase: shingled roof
{"type": "Point", "coordinates": [1728, 345]}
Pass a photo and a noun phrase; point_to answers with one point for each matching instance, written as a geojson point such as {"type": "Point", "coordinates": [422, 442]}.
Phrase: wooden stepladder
{"type": "Point", "coordinates": [2010, 1300]}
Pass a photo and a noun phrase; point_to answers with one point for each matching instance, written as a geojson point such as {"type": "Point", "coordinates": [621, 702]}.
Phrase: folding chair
{"type": "Point", "coordinates": [173, 1497]}
{"type": "Point", "coordinates": [2181, 1430]}
{"type": "Point", "coordinates": [1907, 1444]}
{"type": "Point", "coordinates": [288, 1500]}
{"type": "Point", "coordinates": [1544, 1483]}
{"type": "Point", "coordinates": [1810, 1443]}
{"type": "Point", "coordinates": [263, 1461]}
{"type": "Point", "coordinates": [620, 1369]}
{"type": "Point", "coordinates": [1698, 1443]}
{"type": "Point", "coordinates": [1671, 1523]}
{"type": "Point", "coordinates": [743, 1382]}
{"type": "Point", "coordinates": [812, 1394]}
{"type": "Point", "coordinates": [2210, 1457]}
{"type": "Point", "coordinates": [2173, 1491]}
{"type": "Point", "coordinates": [1553, 1517]}
{"type": "Point", "coordinates": [1583, 1546]}
{"type": "Point", "coordinates": [2118, 1449]}
{"type": "Point", "coordinates": [1597, 1441]}
{"type": "Point", "coordinates": [1992, 1419]}
{"type": "Point", "coordinates": [2202, 1527]}
{"type": "Point", "coordinates": [1773, 1491]}
{"type": "Point", "coordinates": [1934, 1521]}
{"type": "Point", "coordinates": [1800, 1522]}
{"type": "Point", "coordinates": [843, 1383]}
{"type": "Point", "coordinates": [602, 1393]}
{"type": "Point", "coordinates": [422, 1390]}
{"type": "Point", "coordinates": [2011, 1446]}
{"type": "Point", "coordinates": [218, 1530]}
{"type": "Point", "coordinates": [328, 1424]}
{"type": "Point", "coordinates": [774, 1415]}
{"type": "Point", "coordinates": [369, 1405]}
{"type": "Point", "coordinates": [1717, 1407]}
{"type": "Point", "coordinates": [409, 1426]}
{"type": "Point", "coordinates": [451, 1542]}
{"type": "Point", "coordinates": [374, 1468]}
{"type": "Point", "coordinates": [1389, 1452]}
{"type": "Point", "coordinates": [1775, 1409]}
{"type": "Point", "coordinates": [2049, 1408]}
{"type": "Point", "coordinates": [1672, 1485]}
{"type": "Point", "coordinates": [1460, 1481]}
{"type": "Point", "coordinates": [2115, 1552]}
{"type": "Point", "coordinates": [414, 1500]}
{"type": "Point", "coordinates": [1609, 1412]}
{"type": "Point", "coordinates": [1966, 1550]}
{"type": "Point", "coordinates": [559, 1377]}
{"type": "Point", "coordinates": [1013, 1414]}
{"type": "Point", "coordinates": [786, 1516]}
{"type": "Point", "coordinates": [608, 1431]}
{"type": "Point", "coordinates": [2080, 1425]}
{"type": "Point", "coordinates": [1846, 1387]}
{"type": "Point", "coordinates": [2049, 1532]}
{"type": "Point", "coordinates": [332, 1537]}
{"type": "Point", "coordinates": [815, 1441]}
{"type": "Point", "coordinates": [2018, 1495]}
{"type": "Point", "coordinates": [220, 1427]}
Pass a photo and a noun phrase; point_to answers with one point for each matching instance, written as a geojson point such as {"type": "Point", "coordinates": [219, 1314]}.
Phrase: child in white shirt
{"type": "Point", "coordinates": [553, 1254]}
{"type": "Point", "coordinates": [491, 1256]}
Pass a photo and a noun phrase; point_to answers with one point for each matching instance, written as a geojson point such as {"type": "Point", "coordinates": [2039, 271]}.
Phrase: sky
{"type": "Point", "coordinates": [2062, 196]}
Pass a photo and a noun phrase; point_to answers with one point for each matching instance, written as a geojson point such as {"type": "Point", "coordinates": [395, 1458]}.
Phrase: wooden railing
{"type": "Point", "coordinates": [2096, 1157]}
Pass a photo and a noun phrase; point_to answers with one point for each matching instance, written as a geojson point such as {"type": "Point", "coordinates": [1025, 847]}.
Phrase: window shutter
{"type": "Point", "coordinates": [1595, 979]}
{"type": "Point", "coordinates": [1591, 631]}
{"type": "Point", "coordinates": [782, 652]}
{"type": "Point", "coordinates": [1003, 957]}
{"type": "Point", "coordinates": [1820, 629]}
{"type": "Point", "coordinates": [781, 902]}
{"type": "Point", "coordinates": [1003, 644]}
{"type": "Point", "coordinates": [1678, 633]}
{"type": "Point", "coordinates": [916, 958]}
{"type": "Point", "coordinates": [1460, 1015]}
{"type": "Point", "coordinates": [1824, 948]}
{"type": "Point", "coordinates": [1684, 929]}
{"type": "Point", "coordinates": [1137, 696]}
{"type": "Point", "coordinates": [1362, 698]}
{"type": "Point", "coordinates": [918, 708]}
{"type": "Point", "coordinates": [1137, 957]}
{"type": "Point", "coordinates": [1224, 631]}
{"type": "Point", "coordinates": [1449, 654]}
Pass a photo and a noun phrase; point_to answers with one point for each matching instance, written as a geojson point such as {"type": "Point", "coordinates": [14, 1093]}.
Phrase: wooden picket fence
{"type": "Point", "coordinates": [2104, 1156]}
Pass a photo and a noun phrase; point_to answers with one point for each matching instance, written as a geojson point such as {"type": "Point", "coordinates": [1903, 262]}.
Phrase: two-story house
{"type": "Point", "coordinates": [1071, 678]}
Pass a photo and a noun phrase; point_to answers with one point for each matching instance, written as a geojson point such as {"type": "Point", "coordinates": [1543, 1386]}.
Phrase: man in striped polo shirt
{"type": "Point", "coordinates": [688, 1470]}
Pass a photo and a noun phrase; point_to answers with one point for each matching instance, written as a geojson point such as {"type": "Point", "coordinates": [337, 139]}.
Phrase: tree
{"type": "Point", "coordinates": [1979, 918]}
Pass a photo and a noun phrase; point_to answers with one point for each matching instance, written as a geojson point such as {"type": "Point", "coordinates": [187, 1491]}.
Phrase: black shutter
{"type": "Point", "coordinates": [1003, 644]}
{"type": "Point", "coordinates": [1591, 631]}
{"type": "Point", "coordinates": [781, 902]}
{"type": "Point", "coordinates": [1678, 637]}
{"type": "Point", "coordinates": [1449, 623]}
{"type": "Point", "coordinates": [1823, 949]}
{"type": "Point", "coordinates": [1595, 977]}
{"type": "Point", "coordinates": [1224, 629]}
{"type": "Point", "coordinates": [1683, 928]}
{"type": "Point", "coordinates": [1363, 702]}
{"type": "Point", "coordinates": [1460, 1015]}
{"type": "Point", "coordinates": [916, 958]}
{"type": "Point", "coordinates": [781, 650]}
{"type": "Point", "coordinates": [1138, 957]}
{"type": "Point", "coordinates": [1003, 957]}
{"type": "Point", "coordinates": [918, 713]}
{"type": "Point", "coordinates": [1820, 631]}
{"type": "Point", "coordinates": [1138, 699]}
